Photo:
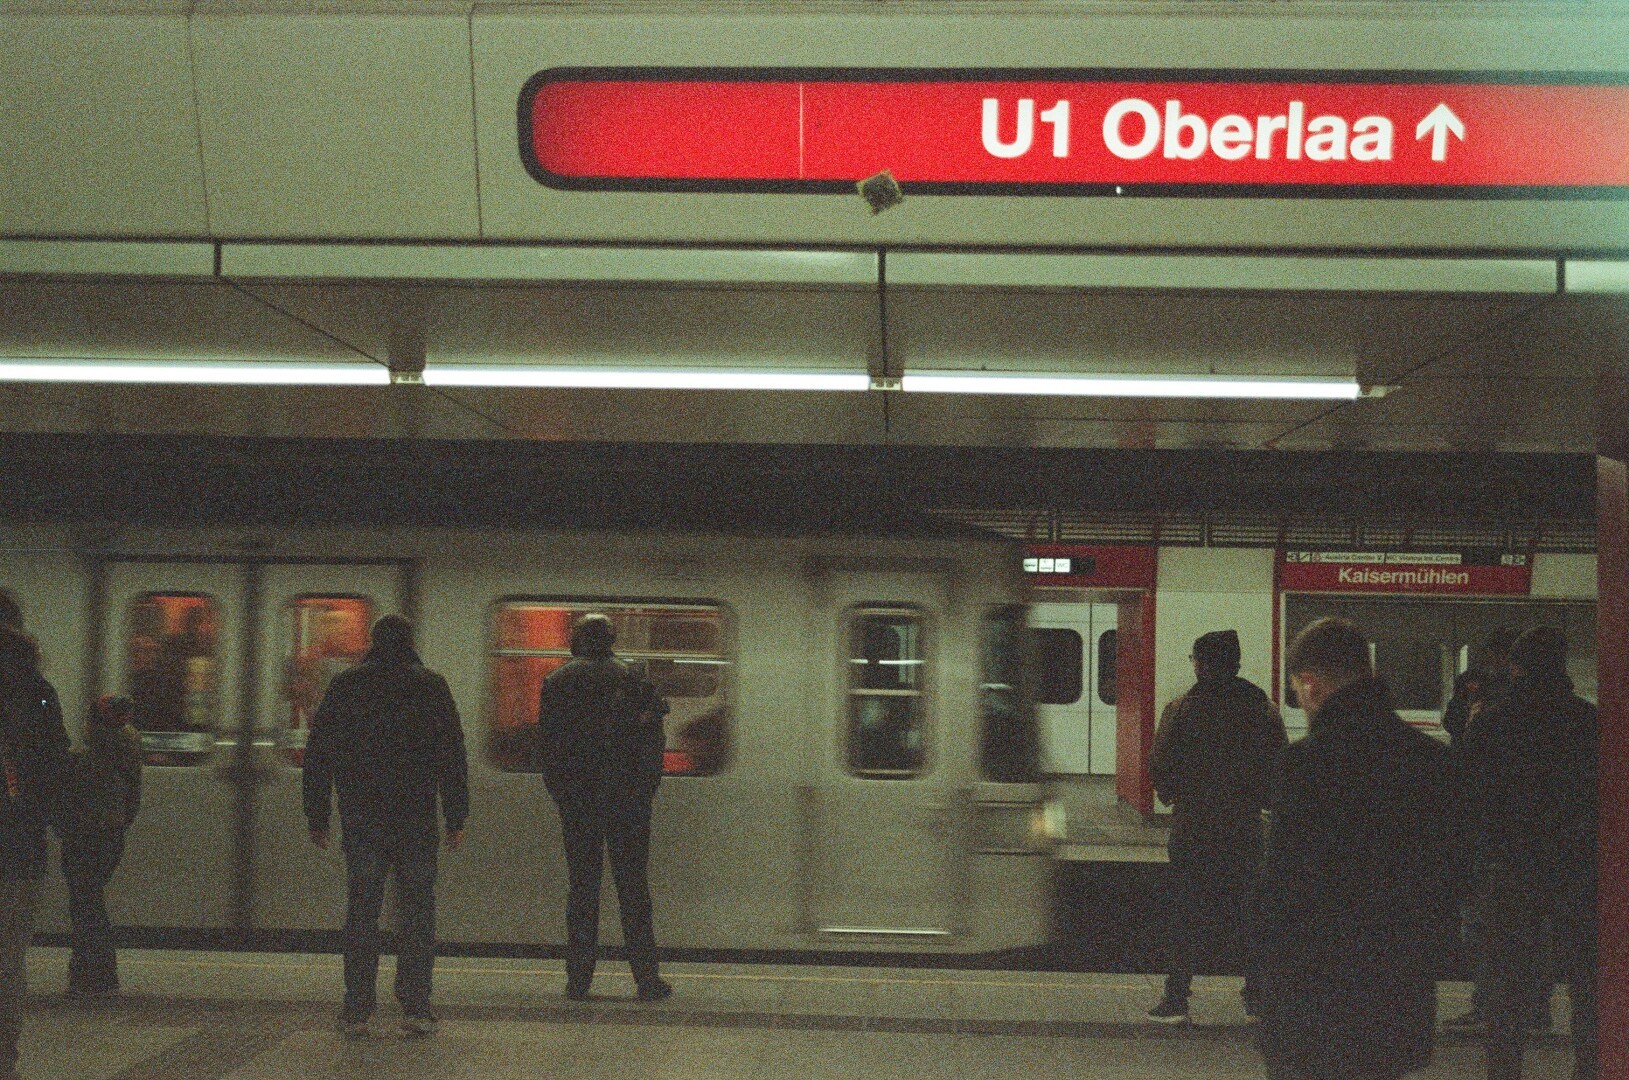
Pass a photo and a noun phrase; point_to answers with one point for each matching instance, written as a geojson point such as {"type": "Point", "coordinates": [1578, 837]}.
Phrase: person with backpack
{"type": "Point", "coordinates": [600, 743]}
{"type": "Point", "coordinates": [387, 736]}
{"type": "Point", "coordinates": [106, 796]}
{"type": "Point", "coordinates": [33, 779]}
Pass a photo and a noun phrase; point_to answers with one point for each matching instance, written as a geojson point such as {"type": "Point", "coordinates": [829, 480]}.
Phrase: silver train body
{"type": "Point", "coordinates": [834, 798]}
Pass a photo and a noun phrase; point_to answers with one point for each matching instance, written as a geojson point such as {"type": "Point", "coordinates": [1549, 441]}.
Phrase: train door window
{"type": "Point", "coordinates": [887, 675]}
{"type": "Point", "coordinates": [1108, 666]}
{"type": "Point", "coordinates": [327, 634]}
{"type": "Point", "coordinates": [1060, 662]}
{"type": "Point", "coordinates": [172, 675]}
{"type": "Point", "coordinates": [1010, 745]}
{"type": "Point", "coordinates": [684, 649]}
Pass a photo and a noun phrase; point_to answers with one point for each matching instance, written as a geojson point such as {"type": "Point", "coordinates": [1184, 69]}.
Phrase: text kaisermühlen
{"type": "Point", "coordinates": [1353, 575]}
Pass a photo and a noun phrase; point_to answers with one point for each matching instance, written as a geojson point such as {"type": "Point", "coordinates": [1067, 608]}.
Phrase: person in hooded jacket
{"type": "Point", "coordinates": [1532, 763]}
{"type": "Point", "coordinates": [1361, 883]}
{"type": "Point", "coordinates": [33, 781]}
{"type": "Point", "coordinates": [107, 795]}
{"type": "Point", "coordinates": [1213, 761]}
{"type": "Point", "coordinates": [387, 736]}
{"type": "Point", "coordinates": [600, 745]}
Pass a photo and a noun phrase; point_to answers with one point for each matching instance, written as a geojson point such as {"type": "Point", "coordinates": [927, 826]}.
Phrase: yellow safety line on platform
{"type": "Point", "coordinates": [1121, 984]}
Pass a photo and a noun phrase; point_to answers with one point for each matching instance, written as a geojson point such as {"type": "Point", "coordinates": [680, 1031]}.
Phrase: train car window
{"type": "Point", "coordinates": [887, 674]}
{"type": "Point", "coordinates": [684, 649]}
{"type": "Point", "coordinates": [327, 634]}
{"type": "Point", "coordinates": [1060, 662]}
{"type": "Point", "coordinates": [172, 676]}
{"type": "Point", "coordinates": [1108, 666]}
{"type": "Point", "coordinates": [1010, 743]}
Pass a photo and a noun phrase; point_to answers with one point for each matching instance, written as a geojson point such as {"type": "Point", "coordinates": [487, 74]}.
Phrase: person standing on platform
{"type": "Point", "coordinates": [1532, 762]}
{"type": "Point", "coordinates": [33, 778]}
{"type": "Point", "coordinates": [1485, 681]}
{"type": "Point", "coordinates": [1360, 884]}
{"type": "Point", "coordinates": [106, 797]}
{"type": "Point", "coordinates": [600, 744]}
{"type": "Point", "coordinates": [1213, 762]}
{"type": "Point", "coordinates": [387, 735]}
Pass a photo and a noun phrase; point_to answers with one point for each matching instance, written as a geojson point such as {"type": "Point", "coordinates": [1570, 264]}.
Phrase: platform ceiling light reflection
{"type": "Point", "coordinates": [1177, 386]}
{"type": "Point", "coordinates": [194, 372]}
{"type": "Point", "coordinates": [641, 378]}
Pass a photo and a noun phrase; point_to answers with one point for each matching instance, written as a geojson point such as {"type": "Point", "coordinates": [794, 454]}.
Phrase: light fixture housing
{"type": "Point", "coordinates": [619, 378]}
{"type": "Point", "coordinates": [192, 372]}
{"type": "Point", "coordinates": [1175, 386]}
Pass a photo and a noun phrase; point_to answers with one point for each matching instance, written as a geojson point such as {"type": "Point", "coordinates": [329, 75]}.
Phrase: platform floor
{"type": "Point", "coordinates": [241, 1016]}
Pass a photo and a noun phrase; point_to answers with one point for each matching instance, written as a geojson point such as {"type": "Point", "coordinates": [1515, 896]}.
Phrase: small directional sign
{"type": "Point", "coordinates": [1078, 132]}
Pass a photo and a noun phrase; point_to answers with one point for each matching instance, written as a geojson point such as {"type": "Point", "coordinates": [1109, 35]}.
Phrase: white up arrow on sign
{"type": "Point", "coordinates": [1439, 122]}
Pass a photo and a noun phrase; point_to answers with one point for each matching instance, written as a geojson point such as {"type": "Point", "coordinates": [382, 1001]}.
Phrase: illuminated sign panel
{"type": "Point", "coordinates": [1077, 132]}
{"type": "Point", "coordinates": [1433, 573]}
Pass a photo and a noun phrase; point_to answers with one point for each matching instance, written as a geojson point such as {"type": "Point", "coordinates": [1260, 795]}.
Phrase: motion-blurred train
{"type": "Point", "coordinates": [871, 733]}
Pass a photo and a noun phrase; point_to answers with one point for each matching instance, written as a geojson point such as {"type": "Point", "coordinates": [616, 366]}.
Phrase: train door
{"type": "Point", "coordinates": [314, 622]}
{"type": "Point", "coordinates": [1076, 652]}
{"type": "Point", "coordinates": [886, 819]}
{"type": "Point", "coordinates": [173, 640]}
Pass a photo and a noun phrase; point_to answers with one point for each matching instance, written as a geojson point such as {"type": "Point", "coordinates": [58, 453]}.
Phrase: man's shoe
{"type": "Point", "coordinates": [1169, 1011]}
{"type": "Point", "coordinates": [577, 989]}
{"type": "Point", "coordinates": [420, 1024]}
{"type": "Point", "coordinates": [656, 989]}
{"type": "Point", "coordinates": [1470, 1023]}
{"type": "Point", "coordinates": [353, 1027]}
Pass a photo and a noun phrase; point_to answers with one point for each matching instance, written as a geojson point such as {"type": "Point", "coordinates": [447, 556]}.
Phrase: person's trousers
{"type": "Point", "coordinates": [370, 858]}
{"type": "Point", "coordinates": [88, 862]}
{"type": "Point", "coordinates": [17, 899]}
{"type": "Point", "coordinates": [1514, 908]}
{"type": "Point", "coordinates": [590, 827]}
{"type": "Point", "coordinates": [1209, 911]}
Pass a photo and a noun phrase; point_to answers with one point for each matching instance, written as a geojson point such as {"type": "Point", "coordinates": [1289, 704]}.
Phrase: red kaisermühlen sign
{"type": "Point", "coordinates": [1079, 132]}
{"type": "Point", "coordinates": [1431, 573]}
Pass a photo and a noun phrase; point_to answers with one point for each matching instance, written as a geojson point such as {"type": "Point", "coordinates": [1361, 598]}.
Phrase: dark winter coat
{"type": "Point", "coordinates": [599, 729]}
{"type": "Point", "coordinates": [35, 765]}
{"type": "Point", "coordinates": [1532, 763]}
{"type": "Point", "coordinates": [1360, 886]}
{"type": "Point", "coordinates": [1213, 761]}
{"type": "Point", "coordinates": [388, 737]}
{"type": "Point", "coordinates": [107, 780]}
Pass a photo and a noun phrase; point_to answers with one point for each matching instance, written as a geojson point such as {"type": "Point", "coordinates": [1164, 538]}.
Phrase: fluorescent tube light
{"type": "Point", "coordinates": [1189, 386]}
{"type": "Point", "coordinates": [199, 372]}
{"type": "Point", "coordinates": [607, 378]}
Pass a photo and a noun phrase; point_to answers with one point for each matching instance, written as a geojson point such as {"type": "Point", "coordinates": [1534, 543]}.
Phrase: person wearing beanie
{"type": "Point", "coordinates": [600, 741]}
{"type": "Point", "coordinates": [106, 797]}
{"type": "Point", "coordinates": [388, 738]}
{"type": "Point", "coordinates": [1360, 887]}
{"type": "Point", "coordinates": [1532, 762]}
{"type": "Point", "coordinates": [1213, 763]}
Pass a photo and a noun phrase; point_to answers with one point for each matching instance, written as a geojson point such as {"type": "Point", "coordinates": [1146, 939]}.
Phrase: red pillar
{"type": "Point", "coordinates": [1612, 494]}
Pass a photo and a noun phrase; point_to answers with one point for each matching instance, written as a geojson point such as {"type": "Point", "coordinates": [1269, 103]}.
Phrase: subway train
{"type": "Point", "coordinates": [877, 739]}
{"type": "Point", "coordinates": [851, 758]}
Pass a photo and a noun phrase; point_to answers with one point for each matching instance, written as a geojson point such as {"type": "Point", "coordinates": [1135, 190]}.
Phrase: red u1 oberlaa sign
{"type": "Point", "coordinates": [1450, 135]}
{"type": "Point", "coordinates": [1437, 574]}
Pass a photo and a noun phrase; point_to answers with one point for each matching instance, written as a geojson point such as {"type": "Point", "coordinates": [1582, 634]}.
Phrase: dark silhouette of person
{"type": "Point", "coordinates": [1362, 876]}
{"type": "Point", "coordinates": [1213, 761]}
{"type": "Point", "coordinates": [600, 745]}
{"type": "Point", "coordinates": [107, 795]}
{"type": "Point", "coordinates": [387, 736]}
